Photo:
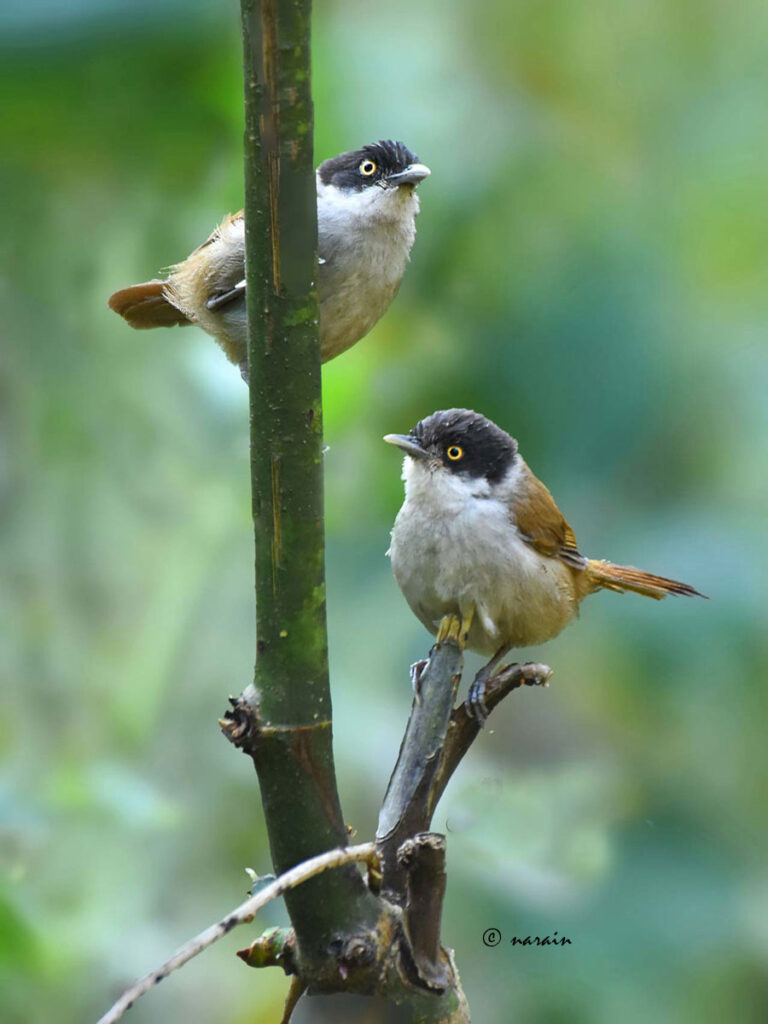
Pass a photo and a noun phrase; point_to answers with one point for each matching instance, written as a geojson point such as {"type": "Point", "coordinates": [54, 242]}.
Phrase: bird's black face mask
{"type": "Point", "coordinates": [381, 163]}
{"type": "Point", "coordinates": [467, 443]}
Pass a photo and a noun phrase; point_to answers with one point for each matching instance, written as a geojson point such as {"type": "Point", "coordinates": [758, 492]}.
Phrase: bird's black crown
{"type": "Point", "coordinates": [467, 442]}
{"type": "Point", "coordinates": [387, 157]}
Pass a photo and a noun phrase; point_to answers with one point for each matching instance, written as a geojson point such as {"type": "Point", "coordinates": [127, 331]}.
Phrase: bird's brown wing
{"type": "Point", "coordinates": [230, 289]}
{"type": "Point", "coordinates": [542, 525]}
{"type": "Point", "coordinates": [148, 304]}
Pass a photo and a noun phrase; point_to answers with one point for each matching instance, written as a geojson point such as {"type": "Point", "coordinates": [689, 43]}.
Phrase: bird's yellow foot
{"type": "Point", "coordinates": [466, 625]}
{"type": "Point", "coordinates": [450, 630]}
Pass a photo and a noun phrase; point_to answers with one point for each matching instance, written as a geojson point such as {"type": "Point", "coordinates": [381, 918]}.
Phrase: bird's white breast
{"type": "Point", "coordinates": [364, 241]}
{"type": "Point", "coordinates": [454, 547]}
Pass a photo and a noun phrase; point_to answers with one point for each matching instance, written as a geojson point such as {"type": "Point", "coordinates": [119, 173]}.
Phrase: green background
{"type": "Point", "coordinates": [590, 271]}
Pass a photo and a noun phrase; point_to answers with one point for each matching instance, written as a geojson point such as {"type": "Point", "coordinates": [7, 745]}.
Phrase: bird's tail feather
{"type": "Point", "coordinates": [623, 578]}
{"type": "Point", "coordinates": [146, 305]}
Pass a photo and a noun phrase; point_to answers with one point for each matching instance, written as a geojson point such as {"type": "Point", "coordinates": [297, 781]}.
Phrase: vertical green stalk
{"type": "Point", "coordinates": [293, 755]}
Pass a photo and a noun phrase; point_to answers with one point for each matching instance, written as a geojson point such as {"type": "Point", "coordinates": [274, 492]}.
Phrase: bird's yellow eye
{"type": "Point", "coordinates": [367, 168]}
{"type": "Point", "coordinates": [454, 453]}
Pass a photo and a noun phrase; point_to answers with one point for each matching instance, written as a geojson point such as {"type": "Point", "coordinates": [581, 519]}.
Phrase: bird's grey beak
{"type": "Point", "coordinates": [412, 175]}
{"type": "Point", "coordinates": [408, 444]}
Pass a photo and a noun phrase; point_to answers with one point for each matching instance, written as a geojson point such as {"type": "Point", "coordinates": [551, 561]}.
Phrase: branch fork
{"type": "Point", "coordinates": [405, 866]}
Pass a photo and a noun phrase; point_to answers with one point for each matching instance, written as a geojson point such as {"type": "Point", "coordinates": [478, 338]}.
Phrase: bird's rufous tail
{"type": "Point", "coordinates": [606, 575]}
{"type": "Point", "coordinates": [146, 305]}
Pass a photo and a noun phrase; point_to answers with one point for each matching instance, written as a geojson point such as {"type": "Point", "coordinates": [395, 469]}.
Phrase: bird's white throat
{"type": "Point", "coordinates": [349, 209]}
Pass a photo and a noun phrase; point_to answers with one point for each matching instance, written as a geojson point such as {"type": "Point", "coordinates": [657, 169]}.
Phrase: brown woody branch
{"type": "Point", "coordinates": [436, 739]}
{"type": "Point", "coordinates": [408, 804]}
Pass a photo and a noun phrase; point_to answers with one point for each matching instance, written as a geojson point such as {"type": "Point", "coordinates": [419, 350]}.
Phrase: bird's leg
{"type": "Point", "coordinates": [449, 629]}
{"type": "Point", "coordinates": [456, 627]}
{"type": "Point", "coordinates": [467, 617]}
{"type": "Point", "coordinates": [476, 698]}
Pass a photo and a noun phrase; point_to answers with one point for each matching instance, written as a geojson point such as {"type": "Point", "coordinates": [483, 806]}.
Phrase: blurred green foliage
{"type": "Point", "coordinates": [590, 271]}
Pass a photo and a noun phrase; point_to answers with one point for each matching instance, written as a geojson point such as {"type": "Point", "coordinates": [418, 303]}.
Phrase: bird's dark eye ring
{"type": "Point", "coordinates": [454, 453]}
{"type": "Point", "coordinates": [367, 168]}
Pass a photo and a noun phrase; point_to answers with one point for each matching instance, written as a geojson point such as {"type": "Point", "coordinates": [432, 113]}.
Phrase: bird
{"type": "Point", "coordinates": [480, 539]}
{"type": "Point", "coordinates": [366, 213]}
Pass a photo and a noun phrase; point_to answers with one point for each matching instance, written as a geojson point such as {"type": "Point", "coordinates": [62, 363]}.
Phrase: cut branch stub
{"type": "Point", "coordinates": [423, 859]}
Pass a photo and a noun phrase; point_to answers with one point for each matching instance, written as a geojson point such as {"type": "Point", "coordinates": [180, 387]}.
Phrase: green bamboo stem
{"type": "Point", "coordinates": [293, 755]}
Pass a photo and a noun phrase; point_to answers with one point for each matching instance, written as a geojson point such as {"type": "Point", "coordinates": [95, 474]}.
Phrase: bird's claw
{"type": "Point", "coordinates": [418, 668]}
{"type": "Point", "coordinates": [532, 673]}
{"type": "Point", "coordinates": [475, 705]}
